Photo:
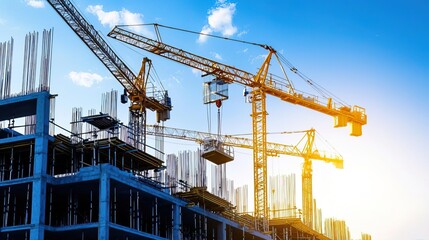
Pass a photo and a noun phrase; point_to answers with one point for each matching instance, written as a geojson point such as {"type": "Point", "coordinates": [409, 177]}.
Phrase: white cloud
{"type": "Point", "coordinates": [2, 21]}
{"type": "Point", "coordinates": [106, 18]}
{"type": "Point", "coordinates": [217, 55]}
{"type": "Point", "coordinates": [220, 20]}
{"type": "Point", "coordinates": [122, 17]}
{"type": "Point", "coordinates": [245, 50]}
{"type": "Point", "coordinates": [85, 79]}
{"type": "Point", "coordinates": [242, 33]}
{"type": "Point", "coordinates": [203, 37]}
{"type": "Point", "coordinates": [259, 58]}
{"type": "Point", "coordinates": [35, 3]}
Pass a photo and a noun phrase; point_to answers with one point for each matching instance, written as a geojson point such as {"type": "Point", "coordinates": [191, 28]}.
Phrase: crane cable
{"type": "Point", "coordinates": [318, 88]}
{"type": "Point", "coordinates": [194, 32]}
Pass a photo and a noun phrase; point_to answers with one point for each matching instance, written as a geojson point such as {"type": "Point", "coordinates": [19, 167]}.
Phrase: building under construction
{"type": "Point", "coordinates": [99, 179]}
{"type": "Point", "coordinates": [54, 186]}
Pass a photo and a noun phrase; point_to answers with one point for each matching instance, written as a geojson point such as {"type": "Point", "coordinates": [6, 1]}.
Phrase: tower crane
{"type": "Point", "coordinates": [308, 152]}
{"type": "Point", "coordinates": [135, 87]}
{"type": "Point", "coordinates": [262, 84]}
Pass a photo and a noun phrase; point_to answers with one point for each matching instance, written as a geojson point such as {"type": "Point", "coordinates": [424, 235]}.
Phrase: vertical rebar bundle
{"type": "Point", "coordinates": [136, 131]}
{"type": "Point", "coordinates": [30, 69]}
{"type": "Point", "coordinates": [336, 229]}
{"type": "Point", "coordinates": [218, 180]}
{"type": "Point", "coordinates": [187, 167]}
{"type": "Point", "coordinates": [6, 53]}
{"type": "Point", "coordinates": [230, 191]}
{"type": "Point", "coordinates": [366, 236]}
{"type": "Point", "coordinates": [30, 63]}
{"type": "Point", "coordinates": [241, 199]}
{"type": "Point", "coordinates": [45, 60]}
{"type": "Point", "coordinates": [282, 195]}
{"type": "Point", "coordinates": [76, 125]}
{"type": "Point", "coordinates": [317, 214]}
{"type": "Point", "coordinates": [109, 105]}
{"type": "Point", "coordinates": [171, 173]}
{"type": "Point", "coordinates": [90, 132]}
{"type": "Point", "coordinates": [159, 143]}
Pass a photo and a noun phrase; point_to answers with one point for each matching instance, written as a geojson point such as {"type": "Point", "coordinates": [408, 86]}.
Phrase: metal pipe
{"type": "Point", "coordinates": [93, 155]}
{"type": "Point", "coordinates": [2, 167]}
{"type": "Point", "coordinates": [50, 208]}
{"type": "Point", "coordinates": [114, 205]}
{"type": "Point", "coordinates": [90, 206]}
{"type": "Point", "coordinates": [114, 156]}
{"type": "Point", "coordinates": [4, 207]}
{"type": "Point", "coordinates": [131, 210]}
{"type": "Point", "coordinates": [30, 160]}
{"type": "Point", "coordinates": [14, 210]}
{"type": "Point", "coordinates": [7, 207]}
{"type": "Point", "coordinates": [138, 211]}
{"type": "Point", "coordinates": [19, 166]}
{"type": "Point", "coordinates": [195, 224]}
{"type": "Point", "coordinates": [69, 215]}
{"type": "Point", "coordinates": [53, 161]}
{"type": "Point", "coordinates": [11, 164]}
{"type": "Point", "coordinates": [156, 217]}
{"type": "Point", "coordinates": [75, 207]}
{"type": "Point", "coordinates": [122, 162]}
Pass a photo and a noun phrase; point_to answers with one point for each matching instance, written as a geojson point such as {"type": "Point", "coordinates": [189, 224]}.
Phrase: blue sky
{"type": "Point", "coordinates": [374, 54]}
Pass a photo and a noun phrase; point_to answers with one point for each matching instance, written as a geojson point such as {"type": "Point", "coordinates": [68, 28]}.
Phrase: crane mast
{"type": "Point", "coordinates": [307, 179]}
{"type": "Point", "coordinates": [261, 86]}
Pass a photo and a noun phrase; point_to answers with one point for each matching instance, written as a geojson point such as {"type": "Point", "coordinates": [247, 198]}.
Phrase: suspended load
{"type": "Point", "coordinates": [215, 90]}
{"type": "Point", "coordinates": [216, 152]}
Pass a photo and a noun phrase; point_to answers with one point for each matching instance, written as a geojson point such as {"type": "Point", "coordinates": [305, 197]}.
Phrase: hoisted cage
{"type": "Point", "coordinates": [216, 152]}
{"type": "Point", "coordinates": [215, 90]}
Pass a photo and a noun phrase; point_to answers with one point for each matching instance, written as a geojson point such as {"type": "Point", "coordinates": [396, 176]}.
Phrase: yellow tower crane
{"type": "Point", "coordinates": [309, 152]}
{"type": "Point", "coordinates": [262, 84]}
{"type": "Point", "coordinates": [135, 87]}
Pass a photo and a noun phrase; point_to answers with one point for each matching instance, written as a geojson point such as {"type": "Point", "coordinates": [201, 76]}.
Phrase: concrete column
{"type": "Point", "coordinates": [104, 212]}
{"type": "Point", "coordinates": [40, 159]}
{"type": "Point", "coordinates": [177, 221]}
{"type": "Point", "coordinates": [221, 231]}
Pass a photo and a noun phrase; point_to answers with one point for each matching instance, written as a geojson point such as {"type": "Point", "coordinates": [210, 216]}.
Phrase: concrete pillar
{"type": "Point", "coordinates": [40, 159]}
{"type": "Point", "coordinates": [221, 231]}
{"type": "Point", "coordinates": [104, 211]}
{"type": "Point", "coordinates": [177, 221]}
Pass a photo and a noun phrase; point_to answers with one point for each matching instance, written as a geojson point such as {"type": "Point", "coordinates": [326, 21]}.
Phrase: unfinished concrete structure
{"type": "Point", "coordinates": [52, 188]}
